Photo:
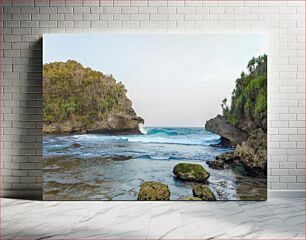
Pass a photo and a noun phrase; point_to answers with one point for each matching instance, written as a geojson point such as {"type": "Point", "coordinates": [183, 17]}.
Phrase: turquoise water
{"type": "Point", "coordinates": [156, 143]}
{"type": "Point", "coordinates": [103, 167]}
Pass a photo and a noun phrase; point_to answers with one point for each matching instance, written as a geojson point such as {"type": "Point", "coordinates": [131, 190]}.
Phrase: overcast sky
{"type": "Point", "coordinates": [172, 80]}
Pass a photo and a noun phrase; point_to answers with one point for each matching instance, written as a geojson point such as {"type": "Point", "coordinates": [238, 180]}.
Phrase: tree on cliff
{"type": "Point", "coordinates": [73, 93]}
{"type": "Point", "coordinates": [248, 107]}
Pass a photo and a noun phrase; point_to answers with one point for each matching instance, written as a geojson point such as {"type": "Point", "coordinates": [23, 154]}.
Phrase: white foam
{"type": "Point", "coordinates": [182, 141]}
{"type": "Point", "coordinates": [205, 140]}
{"type": "Point", "coordinates": [142, 129]}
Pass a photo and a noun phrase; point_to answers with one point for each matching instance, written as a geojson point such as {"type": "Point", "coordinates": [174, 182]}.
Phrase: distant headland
{"type": "Point", "coordinates": [81, 100]}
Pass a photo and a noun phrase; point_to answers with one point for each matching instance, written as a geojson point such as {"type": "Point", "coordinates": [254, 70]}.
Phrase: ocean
{"type": "Point", "coordinates": [105, 167]}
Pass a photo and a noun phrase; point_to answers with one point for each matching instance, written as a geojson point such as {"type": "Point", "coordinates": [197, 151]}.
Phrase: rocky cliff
{"type": "Point", "coordinates": [243, 124]}
{"type": "Point", "coordinates": [250, 147]}
{"type": "Point", "coordinates": [228, 131]}
{"type": "Point", "coordinates": [253, 152]}
{"type": "Point", "coordinates": [80, 100]}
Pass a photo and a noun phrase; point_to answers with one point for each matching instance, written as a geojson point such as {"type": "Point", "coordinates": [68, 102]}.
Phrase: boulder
{"type": "Point", "coordinates": [190, 198]}
{"type": "Point", "coordinates": [220, 126]}
{"type": "Point", "coordinates": [190, 172]}
{"type": "Point", "coordinates": [151, 191]}
{"type": "Point", "coordinates": [253, 153]}
{"type": "Point", "coordinates": [216, 164]}
{"type": "Point", "coordinates": [228, 157]}
{"type": "Point", "coordinates": [203, 192]}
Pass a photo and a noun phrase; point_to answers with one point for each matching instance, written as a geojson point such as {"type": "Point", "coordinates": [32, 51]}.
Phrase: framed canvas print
{"type": "Point", "coordinates": [155, 117]}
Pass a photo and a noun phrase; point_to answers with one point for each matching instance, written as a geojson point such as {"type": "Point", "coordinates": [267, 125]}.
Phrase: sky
{"type": "Point", "coordinates": [176, 80]}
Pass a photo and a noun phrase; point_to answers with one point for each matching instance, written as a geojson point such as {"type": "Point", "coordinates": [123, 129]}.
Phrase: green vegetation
{"type": "Point", "coordinates": [249, 98]}
{"type": "Point", "coordinates": [154, 191]}
{"type": "Point", "coordinates": [190, 199]}
{"type": "Point", "coordinates": [203, 192]}
{"type": "Point", "coordinates": [74, 93]}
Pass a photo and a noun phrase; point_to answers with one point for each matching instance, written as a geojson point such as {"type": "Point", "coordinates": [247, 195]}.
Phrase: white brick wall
{"type": "Point", "coordinates": [24, 22]}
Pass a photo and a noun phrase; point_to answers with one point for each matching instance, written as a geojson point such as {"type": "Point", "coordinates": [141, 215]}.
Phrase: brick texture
{"type": "Point", "coordinates": [24, 22]}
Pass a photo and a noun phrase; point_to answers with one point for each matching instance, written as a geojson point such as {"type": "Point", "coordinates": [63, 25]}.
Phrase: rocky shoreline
{"type": "Point", "coordinates": [243, 124]}
{"type": "Point", "coordinates": [250, 146]}
{"type": "Point", "coordinates": [115, 125]}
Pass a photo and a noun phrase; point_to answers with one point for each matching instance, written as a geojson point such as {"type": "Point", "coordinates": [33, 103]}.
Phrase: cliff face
{"type": "Point", "coordinates": [244, 123]}
{"type": "Point", "coordinates": [228, 131]}
{"type": "Point", "coordinates": [250, 146]}
{"type": "Point", "coordinates": [253, 152]}
{"type": "Point", "coordinates": [81, 100]}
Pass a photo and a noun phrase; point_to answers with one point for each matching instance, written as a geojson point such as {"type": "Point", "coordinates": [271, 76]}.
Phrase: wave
{"type": "Point", "coordinates": [175, 131]}
{"type": "Point", "coordinates": [163, 140]}
{"type": "Point", "coordinates": [142, 129]}
{"type": "Point", "coordinates": [205, 141]}
{"type": "Point", "coordinates": [178, 136]}
{"type": "Point", "coordinates": [164, 157]}
{"type": "Point", "coordinates": [163, 131]}
{"type": "Point", "coordinates": [154, 157]}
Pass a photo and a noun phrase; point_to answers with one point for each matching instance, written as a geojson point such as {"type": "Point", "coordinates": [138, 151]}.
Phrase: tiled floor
{"type": "Point", "coordinates": [273, 219]}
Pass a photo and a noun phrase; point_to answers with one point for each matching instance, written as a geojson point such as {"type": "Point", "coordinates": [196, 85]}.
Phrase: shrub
{"type": "Point", "coordinates": [249, 97]}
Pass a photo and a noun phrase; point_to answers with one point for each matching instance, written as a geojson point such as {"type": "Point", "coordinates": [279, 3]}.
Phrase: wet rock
{"type": "Point", "coordinates": [76, 145]}
{"type": "Point", "coordinates": [216, 164]}
{"type": "Point", "coordinates": [224, 158]}
{"type": "Point", "coordinates": [228, 157]}
{"type": "Point", "coordinates": [190, 172]}
{"type": "Point", "coordinates": [121, 158]}
{"type": "Point", "coordinates": [246, 189]}
{"type": "Point", "coordinates": [68, 191]}
{"type": "Point", "coordinates": [203, 192]}
{"type": "Point", "coordinates": [150, 191]}
{"type": "Point", "coordinates": [190, 198]}
{"type": "Point", "coordinates": [220, 126]}
{"type": "Point", "coordinates": [62, 164]}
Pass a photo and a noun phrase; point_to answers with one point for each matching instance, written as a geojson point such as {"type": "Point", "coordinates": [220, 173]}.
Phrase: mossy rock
{"type": "Point", "coordinates": [190, 172]}
{"type": "Point", "coordinates": [153, 191]}
{"type": "Point", "coordinates": [190, 198]}
{"type": "Point", "coordinates": [203, 192]}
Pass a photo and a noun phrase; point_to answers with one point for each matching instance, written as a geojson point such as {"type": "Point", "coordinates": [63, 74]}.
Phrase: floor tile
{"type": "Point", "coordinates": [272, 219]}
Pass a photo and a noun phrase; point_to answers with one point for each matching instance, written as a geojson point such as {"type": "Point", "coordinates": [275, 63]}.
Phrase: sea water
{"type": "Point", "coordinates": [105, 167]}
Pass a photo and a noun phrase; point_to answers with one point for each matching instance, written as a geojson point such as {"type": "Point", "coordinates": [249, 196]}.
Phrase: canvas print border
{"type": "Point", "coordinates": [98, 147]}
